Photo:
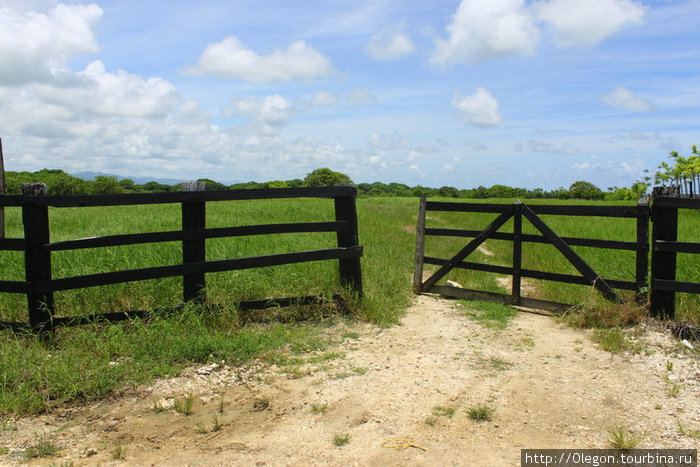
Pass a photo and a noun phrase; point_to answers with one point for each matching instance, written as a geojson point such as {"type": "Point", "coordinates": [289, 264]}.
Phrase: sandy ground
{"type": "Point", "coordinates": [408, 386]}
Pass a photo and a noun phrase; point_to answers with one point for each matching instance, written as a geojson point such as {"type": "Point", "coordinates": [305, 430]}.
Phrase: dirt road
{"type": "Point", "coordinates": [409, 386]}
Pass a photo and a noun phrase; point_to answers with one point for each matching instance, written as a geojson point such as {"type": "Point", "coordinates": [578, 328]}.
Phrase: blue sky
{"type": "Point", "coordinates": [478, 92]}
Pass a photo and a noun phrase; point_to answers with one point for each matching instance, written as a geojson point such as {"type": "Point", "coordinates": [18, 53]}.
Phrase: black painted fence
{"type": "Point", "coordinates": [660, 289]}
{"type": "Point", "coordinates": [39, 286]}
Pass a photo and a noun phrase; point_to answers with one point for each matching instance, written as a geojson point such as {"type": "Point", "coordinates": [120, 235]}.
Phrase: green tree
{"type": "Point", "coordinates": [104, 185]}
{"type": "Point", "coordinates": [210, 185]}
{"type": "Point", "coordinates": [585, 190]}
{"type": "Point", "coordinates": [276, 184]}
{"type": "Point", "coordinates": [326, 177]}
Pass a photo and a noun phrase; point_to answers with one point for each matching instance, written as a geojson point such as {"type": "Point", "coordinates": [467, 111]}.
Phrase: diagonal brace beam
{"type": "Point", "coordinates": [464, 252]}
{"type": "Point", "coordinates": [581, 266]}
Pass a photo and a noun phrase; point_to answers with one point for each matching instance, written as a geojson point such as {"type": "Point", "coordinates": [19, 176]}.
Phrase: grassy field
{"type": "Point", "coordinates": [89, 362]}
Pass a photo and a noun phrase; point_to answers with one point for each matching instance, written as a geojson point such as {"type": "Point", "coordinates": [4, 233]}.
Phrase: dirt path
{"type": "Point", "coordinates": [550, 387]}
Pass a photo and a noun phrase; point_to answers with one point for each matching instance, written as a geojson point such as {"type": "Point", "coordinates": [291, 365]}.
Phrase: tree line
{"type": "Point", "coordinates": [62, 183]}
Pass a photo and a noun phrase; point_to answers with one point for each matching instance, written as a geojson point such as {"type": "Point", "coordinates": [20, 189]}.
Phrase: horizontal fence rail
{"type": "Point", "coordinates": [531, 213]}
{"type": "Point", "coordinates": [39, 285]}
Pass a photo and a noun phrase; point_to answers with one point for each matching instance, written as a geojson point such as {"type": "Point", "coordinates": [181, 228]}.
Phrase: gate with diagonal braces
{"type": "Point", "coordinates": [517, 211]}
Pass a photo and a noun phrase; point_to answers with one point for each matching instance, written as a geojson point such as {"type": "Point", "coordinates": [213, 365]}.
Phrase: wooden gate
{"type": "Point", "coordinates": [518, 210]}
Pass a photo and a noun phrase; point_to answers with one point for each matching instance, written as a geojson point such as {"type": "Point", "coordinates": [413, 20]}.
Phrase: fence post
{"type": "Point", "coordinates": [663, 263]}
{"type": "Point", "coordinates": [420, 247]}
{"type": "Point", "coordinates": [193, 250]}
{"type": "Point", "coordinates": [349, 268]}
{"type": "Point", "coordinates": [37, 260]}
{"type": "Point", "coordinates": [2, 192]}
{"type": "Point", "coordinates": [642, 263]}
{"type": "Point", "coordinates": [517, 249]}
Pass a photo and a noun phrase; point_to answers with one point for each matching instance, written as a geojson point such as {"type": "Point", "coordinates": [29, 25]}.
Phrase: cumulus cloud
{"type": "Point", "coordinates": [481, 30]}
{"type": "Point", "coordinates": [626, 99]}
{"type": "Point", "coordinates": [479, 109]}
{"type": "Point", "coordinates": [34, 47]}
{"type": "Point", "coordinates": [585, 23]}
{"type": "Point", "coordinates": [231, 59]}
{"type": "Point", "coordinates": [391, 44]}
{"type": "Point", "coordinates": [361, 96]}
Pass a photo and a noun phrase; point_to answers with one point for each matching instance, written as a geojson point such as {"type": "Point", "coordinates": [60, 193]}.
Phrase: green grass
{"type": "Point", "coordinates": [341, 440]}
{"type": "Point", "coordinates": [615, 340]}
{"type": "Point", "coordinates": [42, 447]}
{"type": "Point", "coordinates": [489, 314]}
{"type": "Point", "coordinates": [621, 438]}
{"type": "Point", "coordinates": [480, 412]}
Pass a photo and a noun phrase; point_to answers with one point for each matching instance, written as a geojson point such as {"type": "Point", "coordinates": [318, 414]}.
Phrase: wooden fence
{"type": "Point", "coordinates": [660, 289]}
{"type": "Point", "coordinates": [39, 286]}
{"type": "Point", "coordinates": [638, 214]}
{"type": "Point", "coordinates": [665, 247]}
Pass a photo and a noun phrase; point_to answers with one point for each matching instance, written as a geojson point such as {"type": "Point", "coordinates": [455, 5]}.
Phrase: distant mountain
{"type": "Point", "coordinates": [89, 175]}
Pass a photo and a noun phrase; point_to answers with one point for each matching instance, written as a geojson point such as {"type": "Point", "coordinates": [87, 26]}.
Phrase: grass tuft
{"type": "Point", "coordinates": [341, 439]}
{"type": "Point", "coordinates": [185, 405]}
{"type": "Point", "coordinates": [41, 448]}
{"type": "Point", "coordinates": [480, 412]}
{"type": "Point", "coordinates": [621, 438]}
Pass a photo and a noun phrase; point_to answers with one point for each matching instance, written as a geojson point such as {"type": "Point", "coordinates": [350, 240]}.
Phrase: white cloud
{"type": "Point", "coordinates": [324, 98]}
{"type": "Point", "coordinates": [273, 110]}
{"type": "Point", "coordinates": [34, 47]}
{"type": "Point", "coordinates": [626, 99]}
{"type": "Point", "coordinates": [479, 109]}
{"type": "Point", "coordinates": [481, 30]}
{"type": "Point", "coordinates": [585, 23]}
{"type": "Point", "coordinates": [113, 94]}
{"type": "Point", "coordinates": [232, 60]}
{"type": "Point", "coordinates": [361, 96]}
{"type": "Point", "coordinates": [391, 44]}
